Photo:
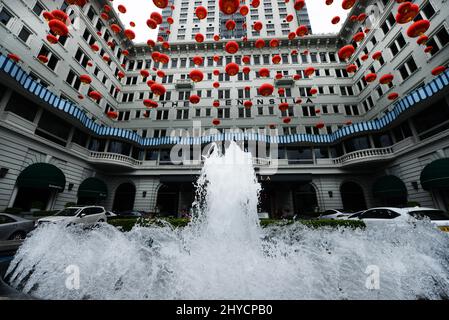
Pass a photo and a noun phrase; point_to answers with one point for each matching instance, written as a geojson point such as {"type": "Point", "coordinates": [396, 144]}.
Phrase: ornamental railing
{"type": "Point", "coordinates": [364, 155]}
{"type": "Point", "coordinates": [114, 158]}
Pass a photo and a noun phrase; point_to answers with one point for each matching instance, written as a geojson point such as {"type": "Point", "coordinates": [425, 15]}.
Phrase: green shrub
{"type": "Point", "coordinates": [127, 224]}
{"type": "Point", "coordinates": [13, 210]}
{"type": "Point", "coordinates": [412, 204]}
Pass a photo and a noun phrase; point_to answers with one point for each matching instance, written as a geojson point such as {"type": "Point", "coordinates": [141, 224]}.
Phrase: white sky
{"type": "Point", "coordinates": [139, 11]}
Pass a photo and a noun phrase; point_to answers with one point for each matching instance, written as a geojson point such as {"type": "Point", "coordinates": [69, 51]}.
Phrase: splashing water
{"type": "Point", "coordinates": [224, 254]}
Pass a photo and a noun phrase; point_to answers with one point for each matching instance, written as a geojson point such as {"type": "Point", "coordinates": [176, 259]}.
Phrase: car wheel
{"type": "Point", "coordinates": [19, 235]}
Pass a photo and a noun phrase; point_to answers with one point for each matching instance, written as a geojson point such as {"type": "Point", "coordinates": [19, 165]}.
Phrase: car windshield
{"type": "Point", "coordinates": [70, 212]}
{"type": "Point", "coordinates": [431, 214]}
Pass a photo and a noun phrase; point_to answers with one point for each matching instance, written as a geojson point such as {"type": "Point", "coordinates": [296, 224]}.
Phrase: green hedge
{"type": "Point", "coordinates": [13, 210]}
{"type": "Point", "coordinates": [128, 223]}
{"type": "Point", "coordinates": [44, 213]}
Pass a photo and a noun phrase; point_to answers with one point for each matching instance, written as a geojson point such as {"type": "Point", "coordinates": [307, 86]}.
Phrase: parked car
{"type": "Point", "coordinates": [336, 214]}
{"type": "Point", "coordinates": [110, 214]}
{"type": "Point", "coordinates": [88, 215]}
{"type": "Point", "coordinates": [386, 215]}
{"type": "Point", "coordinates": [131, 213]}
{"type": "Point", "coordinates": [13, 227]}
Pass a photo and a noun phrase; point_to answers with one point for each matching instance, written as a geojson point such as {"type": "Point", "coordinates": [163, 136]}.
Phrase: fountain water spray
{"type": "Point", "coordinates": [224, 254]}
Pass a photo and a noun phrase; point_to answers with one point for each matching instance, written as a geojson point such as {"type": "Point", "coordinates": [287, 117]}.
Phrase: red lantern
{"type": "Point", "coordinates": [264, 72]}
{"type": "Point", "coordinates": [230, 24]}
{"type": "Point", "coordinates": [364, 57]}
{"type": "Point", "coordinates": [246, 70]}
{"type": "Point", "coordinates": [156, 16]}
{"type": "Point", "coordinates": [422, 40]}
{"type": "Point", "coordinates": [130, 34]}
{"type": "Point", "coordinates": [162, 4]}
{"type": "Point", "coordinates": [112, 114]}
{"type": "Point", "coordinates": [194, 99]}
{"type": "Point", "coordinates": [199, 37]}
{"type": "Point", "coordinates": [418, 28]}
{"type": "Point", "coordinates": [302, 31]}
{"type": "Point", "coordinates": [248, 104]}
{"type": "Point", "coordinates": [216, 84]}
{"type": "Point", "coordinates": [48, 16]}
{"type": "Point", "coordinates": [309, 71]}
{"type": "Point", "coordinates": [246, 59]}
{"type": "Point", "coordinates": [266, 89]}
{"type": "Point", "coordinates": [283, 106]}
{"type": "Point", "coordinates": [158, 89]}
{"type": "Point", "coordinates": [274, 43]}
{"type": "Point", "coordinates": [216, 122]}
{"type": "Point", "coordinates": [258, 26]}
{"type": "Point", "coordinates": [232, 47]}
{"type": "Point", "coordinates": [370, 77]}
{"type": "Point", "coordinates": [386, 78]}
{"type": "Point", "coordinates": [393, 96]}
{"type": "Point", "coordinates": [276, 59]}
{"type": "Point", "coordinates": [438, 70]}
{"type": "Point", "coordinates": [229, 6]}
{"type": "Point", "coordinates": [216, 103]}
{"type": "Point", "coordinates": [287, 120]}
{"type": "Point", "coordinates": [196, 75]}
{"type": "Point", "coordinates": [201, 12]}
{"type": "Point", "coordinates": [299, 4]}
{"type": "Point", "coordinates": [58, 27]}
{"type": "Point", "coordinates": [121, 8]}
{"type": "Point", "coordinates": [351, 68]}
{"type": "Point", "coordinates": [95, 95]}
{"type": "Point", "coordinates": [150, 103]}
{"type": "Point", "coordinates": [244, 10]}
{"type": "Point", "coordinates": [61, 16]}
{"type": "Point", "coordinates": [197, 60]}
{"type": "Point", "coordinates": [259, 44]}
{"type": "Point", "coordinates": [144, 73]}
{"type": "Point", "coordinates": [232, 69]}
{"type": "Point", "coordinates": [116, 28]}
{"type": "Point", "coordinates": [289, 18]}
{"type": "Point", "coordinates": [52, 39]}
{"type": "Point", "coordinates": [86, 79]}
{"type": "Point", "coordinates": [359, 36]}
{"type": "Point", "coordinates": [151, 23]}
{"type": "Point", "coordinates": [347, 4]}
{"type": "Point", "coordinates": [313, 91]}
{"type": "Point", "coordinates": [335, 20]}
{"type": "Point", "coordinates": [377, 55]}
{"type": "Point", "coordinates": [160, 73]}
{"type": "Point", "coordinates": [42, 58]}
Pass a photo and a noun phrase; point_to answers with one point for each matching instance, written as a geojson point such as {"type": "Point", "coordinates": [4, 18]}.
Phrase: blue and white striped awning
{"type": "Point", "coordinates": [24, 79]}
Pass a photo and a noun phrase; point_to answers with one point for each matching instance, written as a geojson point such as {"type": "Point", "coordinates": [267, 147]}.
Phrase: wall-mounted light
{"type": "Point", "coordinates": [3, 172]}
{"type": "Point", "coordinates": [71, 185]}
{"type": "Point", "coordinates": [331, 194]}
{"type": "Point", "coordinates": [415, 185]}
{"type": "Point", "coordinates": [144, 194]}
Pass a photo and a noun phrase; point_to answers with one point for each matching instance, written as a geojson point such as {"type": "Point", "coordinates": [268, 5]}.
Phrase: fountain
{"type": "Point", "coordinates": [225, 254]}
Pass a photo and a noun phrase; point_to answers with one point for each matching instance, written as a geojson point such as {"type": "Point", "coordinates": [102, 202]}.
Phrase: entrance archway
{"type": "Point", "coordinates": [305, 199]}
{"type": "Point", "coordinates": [175, 199]}
{"type": "Point", "coordinates": [38, 186]}
{"type": "Point", "coordinates": [352, 196]}
{"type": "Point", "coordinates": [125, 196]}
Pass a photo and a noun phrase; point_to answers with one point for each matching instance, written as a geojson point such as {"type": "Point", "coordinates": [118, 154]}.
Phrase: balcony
{"type": "Point", "coordinates": [286, 81]}
{"type": "Point", "coordinates": [108, 159]}
{"type": "Point", "coordinates": [184, 84]}
{"type": "Point", "coordinates": [363, 157]}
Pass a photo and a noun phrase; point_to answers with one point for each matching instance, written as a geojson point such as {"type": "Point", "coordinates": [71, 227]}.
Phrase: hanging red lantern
{"type": "Point", "coordinates": [362, 17]}
{"type": "Point", "coordinates": [244, 10]}
{"type": "Point", "coordinates": [201, 12]}
{"type": "Point", "coordinates": [197, 60]}
{"type": "Point", "coordinates": [248, 104]}
{"type": "Point", "coordinates": [48, 16]}
{"type": "Point", "coordinates": [144, 73]}
{"type": "Point", "coordinates": [296, 77]}
{"type": "Point", "coordinates": [52, 39]}
{"type": "Point", "coordinates": [299, 4]}
{"type": "Point", "coordinates": [131, 35]}
{"type": "Point", "coordinates": [160, 73]}
{"type": "Point", "coordinates": [162, 4]}
{"type": "Point", "coordinates": [278, 76]}
{"type": "Point", "coordinates": [352, 68]}
{"type": "Point", "coordinates": [125, 53]}
{"type": "Point", "coordinates": [232, 47]}
{"type": "Point", "coordinates": [58, 27]}
{"type": "Point", "coordinates": [246, 70]}
{"type": "Point", "coordinates": [274, 43]}
{"type": "Point", "coordinates": [112, 114]}
{"type": "Point", "coordinates": [216, 37]}
{"type": "Point", "coordinates": [309, 71]}
{"type": "Point", "coordinates": [377, 55]}
{"type": "Point", "coordinates": [364, 57]}
{"type": "Point", "coordinates": [196, 75]}
{"type": "Point", "coordinates": [194, 99]}
{"type": "Point", "coordinates": [386, 78]}
{"type": "Point", "coordinates": [61, 16]}
{"type": "Point", "coordinates": [150, 103]}
{"type": "Point", "coordinates": [283, 106]}
{"type": "Point", "coordinates": [42, 58]}
{"type": "Point", "coordinates": [418, 28]}
{"type": "Point", "coordinates": [86, 79]}
{"type": "Point", "coordinates": [230, 24]}
{"type": "Point", "coordinates": [216, 72]}
{"type": "Point", "coordinates": [393, 96]}
{"type": "Point", "coordinates": [217, 58]}
{"type": "Point", "coordinates": [232, 69]}
{"type": "Point", "coordinates": [291, 35]}
{"type": "Point", "coordinates": [347, 4]}
{"type": "Point", "coordinates": [246, 59]}
{"type": "Point", "coordinates": [264, 72]}
{"type": "Point", "coordinates": [95, 95]}
{"type": "Point", "coordinates": [216, 103]}
{"type": "Point", "coordinates": [281, 91]}
{"type": "Point", "coordinates": [359, 36]}
{"type": "Point", "coordinates": [266, 89]}
{"type": "Point", "coordinates": [116, 28]}
{"type": "Point", "coordinates": [158, 89]}
{"type": "Point", "coordinates": [407, 11]}
{"type": "Point", "coordinates": [302, 31]}
{"type": "Point", "coordinates": [313, 91]}
{"type": "Point", "coordinates": [422, 40]}
{"type": "Point", "coordinates": [156, 16]}
{"type": "Point", "coordinates": [151, 23]}
{"type": "Point", "coordinates": [320, 125]}
{"type": "Point", "coordinates": [258, 26]}
{"type": "Point", "coordinates": [287, 120]}
{"type": "Point", "coordinates": [370, 77]}
{"type": "Point", "coordinates": [216, 122]}
{"type": "Point", "coordinates": [247, 88]}
{"type": "Point", "coordinates": [276, 59]}
{"type": "Point", "coordinates": [199, 37]}
{"type": "Point", "coordinates": [229, 6]}
{"type": "Point", "coordinates": [164, 59]}
{"type": "Point", "coordinates": [216, 84]}
{"type": "Point", "coordinates": [121, 8]}
{"type": "Point", "coordinates": [289, 18]}
{"type": "Point", "coordinates": [438, 70]}
{"type": "Point", "coordinates": [335, 20]}
{"type": "Point", "coordinates": [259, 44]}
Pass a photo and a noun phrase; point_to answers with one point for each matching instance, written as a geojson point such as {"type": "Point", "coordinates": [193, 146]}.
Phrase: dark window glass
{"type": "Point", "coordinates": [22, 107]}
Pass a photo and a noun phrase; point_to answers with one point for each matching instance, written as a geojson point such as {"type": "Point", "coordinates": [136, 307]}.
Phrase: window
{"type": "Point", "coordinates": [5, 16]}
{"type": "Point", "coordinates": [38, 8]}
{"type": "Point", "coordinates": [397, 45]}
{"type": "Point", "coordinates": [408, 68]}
{"type": "Point", "coordinates": [438, 41]}
{"type": "Point", "coordinates": [379, 214]}
{"type": "Point", "coordinates": [24, 34]}
{"type": "Point", "coordinates": [22, 107]}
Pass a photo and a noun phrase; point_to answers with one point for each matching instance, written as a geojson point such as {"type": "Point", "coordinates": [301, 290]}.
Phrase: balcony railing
{"type": "Point", "coordinates": [114, 158]}
{"type": "Point", "coordinates": [365, 155]}
{"type": "Point", "coordinates": [184, 84]}
{"type": "Point", "coordinates": [285, 81]}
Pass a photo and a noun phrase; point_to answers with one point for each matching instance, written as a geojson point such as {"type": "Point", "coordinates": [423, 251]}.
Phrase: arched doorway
{"type": "Point", "coordinates": [305, 200]}
{"type": "Point", "coordinates": [390, 191]}
{"type": "Point", "coordinates": [168, 200]}
{"type": "Point", "coordinates": [92, 191]}
{"type": "Point", "coordinates": [125, 196]}
{"type": "Point", "coordinates": [352, 196]}
{"type": "Point", "coordinates": [38, 185]}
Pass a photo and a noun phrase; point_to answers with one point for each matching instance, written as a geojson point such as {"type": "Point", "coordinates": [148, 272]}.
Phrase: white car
{"type": "Point", "coordinates": [335, 214]}
{"type": "Point", "coordinates": [88, 215]}
{"type": "Point", "coordinates": [394, 215]}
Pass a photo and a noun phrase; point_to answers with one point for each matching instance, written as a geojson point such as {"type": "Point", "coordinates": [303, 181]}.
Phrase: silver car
{"type": "Point", "coordinates": [13, 227]}
{"type": "Point", "coordinates": [88, 215]}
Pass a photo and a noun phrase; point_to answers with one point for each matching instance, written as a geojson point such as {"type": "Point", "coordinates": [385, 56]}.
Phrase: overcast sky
{"type": "Point", "coordinates": [139, 11]}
